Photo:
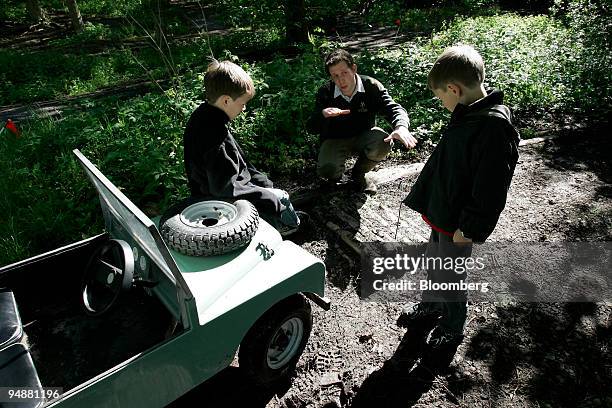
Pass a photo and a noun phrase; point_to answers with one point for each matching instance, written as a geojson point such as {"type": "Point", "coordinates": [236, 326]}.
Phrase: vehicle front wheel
{"type": "Point", "coordinates": [272, 347]}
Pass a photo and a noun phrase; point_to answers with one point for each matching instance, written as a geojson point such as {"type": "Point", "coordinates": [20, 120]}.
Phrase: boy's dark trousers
{"type": "Point", "coordinates": [451, 303]}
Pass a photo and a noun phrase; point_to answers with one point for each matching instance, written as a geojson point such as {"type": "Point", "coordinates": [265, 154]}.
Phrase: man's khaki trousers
{"type": "Point", "coordinates": [369, 146]}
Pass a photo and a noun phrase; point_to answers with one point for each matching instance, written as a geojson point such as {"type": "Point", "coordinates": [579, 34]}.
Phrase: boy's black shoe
{"type": "Point", "coordinates": [287, 230]}
{"type": "Point", "coordinates": [440, 337]}
{"type": "Point", "coordinates": [304, 218]}
{"type": "Point", "coordinates": [417, 314]}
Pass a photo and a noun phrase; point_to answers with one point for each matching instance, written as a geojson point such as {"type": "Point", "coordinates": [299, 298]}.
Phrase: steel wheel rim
{"type": "Point", "coordinates": [285, 343]}
{"type": "Point", "coordinates": [208, 214]}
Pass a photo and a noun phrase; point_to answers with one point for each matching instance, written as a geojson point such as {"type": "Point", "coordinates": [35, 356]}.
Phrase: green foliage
{"type": "Point", "coordinates": [136, 144]}
{"type": "Point", "coordinates": [249, 13]}
{"type": "Point", "coordinates": [12, 10]}
{"type": "Point", "coordinates": [46, 206]}
{"type": "Point", "coordinates": [270, 13]}
{"type": "Point", "coordinates": [15, 10]}
{"type": "Point", "coordinates": [537, 61]}
{"type": "Point", "coordinates": [425, 17]}
{"type": "Point", "coordinates": [588, 22]}
{"type": "Point", "coordinates": [25, 79]}
{"type": "Point", "coordinates": [68, 72]}
{"type": "Point", "coordinates": [114, 7]}
{"type": "Point", "coordinates": [274, 131]}
{"type": "Point", "coordinates": [91, 32]}
{"type": "Point", "coordinates": [525, 56]}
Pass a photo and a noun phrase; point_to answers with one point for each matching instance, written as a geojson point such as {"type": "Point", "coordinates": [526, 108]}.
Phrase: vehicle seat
{"type": "Point", "coordinates": [17, 371]}
{"type": "Point", "coordinates": [11, 330]}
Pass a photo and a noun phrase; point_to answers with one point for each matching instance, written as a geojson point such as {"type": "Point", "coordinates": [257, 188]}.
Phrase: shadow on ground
{"type": "Point", "coordinates": [229, 388]}
{"type": "Point", "coordinates": [407, 375]}
{"type": "Point", "coordinates": [555, 353]}
{"type": "Point", "coordinates": [580, 151]}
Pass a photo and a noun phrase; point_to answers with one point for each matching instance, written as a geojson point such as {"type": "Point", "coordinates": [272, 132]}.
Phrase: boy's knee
{"type": "Point", "coordinates": [330, 171]}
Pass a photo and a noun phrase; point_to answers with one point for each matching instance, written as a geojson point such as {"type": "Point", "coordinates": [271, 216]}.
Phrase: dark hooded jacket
{"type": "Point", "coordinates": [465, 181]}
{"type": "Point", "coordinates": [216, 166]}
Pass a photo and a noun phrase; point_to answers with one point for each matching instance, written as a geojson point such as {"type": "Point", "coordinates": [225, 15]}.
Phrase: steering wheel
{"type": "Point", "coordinates": [110, 271]}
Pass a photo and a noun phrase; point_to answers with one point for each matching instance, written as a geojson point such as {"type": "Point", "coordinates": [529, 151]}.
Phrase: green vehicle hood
{"type": "Point", "coordinates": [221, 283]}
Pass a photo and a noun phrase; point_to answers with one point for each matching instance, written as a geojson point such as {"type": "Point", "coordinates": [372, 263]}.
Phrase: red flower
{"type": "Point", "coordinates": [397, 21]}
{"type": "Point", "coordinates": [10, 125]}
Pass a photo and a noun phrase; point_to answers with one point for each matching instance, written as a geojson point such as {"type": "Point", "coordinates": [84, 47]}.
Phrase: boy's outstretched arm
{"type": "Point", "coordinates": [495, 160]}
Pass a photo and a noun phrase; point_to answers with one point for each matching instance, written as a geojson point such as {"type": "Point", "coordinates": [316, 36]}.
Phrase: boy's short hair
{"type": "Point", "coordinates": [337, 56]}
{"type": "Point", "coordinates": [226, 78]}
{"type": "Point", "coordinates": [460, 63]}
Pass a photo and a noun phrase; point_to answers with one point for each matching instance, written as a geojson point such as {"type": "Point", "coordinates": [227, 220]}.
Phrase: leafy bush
{"type": "Point", "coordinates": [271, 13]}
{"type": "Point", "coordinates": [91, 32]}
{"type": "Point", "coordinates": [136, 144]}
{"type": "Point", "coordinates": [588, 22]}
{"type": "Point", "coordinates": [24, 79]}
{"type": "Point", "coordinates": [425, 17]}
{"type": "Point", "coordinates": [527, 57]}
{"type": "Point", "coordinates": [274, 131]}
{"type": "Point", "coordinates": [537, 61]}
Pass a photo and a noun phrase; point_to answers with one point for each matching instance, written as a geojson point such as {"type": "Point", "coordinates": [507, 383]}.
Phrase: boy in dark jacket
{"type": "Point", "coordinates": [345, 117]}
{"type": "Point", "coordinates": [215, 163]}
{"type": "Point", "coordinates": [462, 189]}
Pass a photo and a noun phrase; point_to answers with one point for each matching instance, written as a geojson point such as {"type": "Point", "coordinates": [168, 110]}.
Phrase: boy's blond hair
{"type": "Point", "coordinates": [460, 63]}
{"type": "Point", "coordinates": [226, 78]}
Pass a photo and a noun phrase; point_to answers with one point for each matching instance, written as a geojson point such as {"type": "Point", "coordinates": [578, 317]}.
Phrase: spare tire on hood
{"type": "Point", "coordinates": [209, 227]}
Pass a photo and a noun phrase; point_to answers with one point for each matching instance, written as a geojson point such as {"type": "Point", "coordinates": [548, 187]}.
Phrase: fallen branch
{"type": "Point", "coordinates": [345, 236]}
{"type": "Point", "coordinates": [393, 173]}
{"type": "Point", "coordinates": [527, 142]}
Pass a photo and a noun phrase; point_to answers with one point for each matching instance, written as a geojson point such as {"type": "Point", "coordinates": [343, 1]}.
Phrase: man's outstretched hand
{"type": "Point", "coordinates": [403, 135]}
{"type": "Point", "coordinates": [333, 112]}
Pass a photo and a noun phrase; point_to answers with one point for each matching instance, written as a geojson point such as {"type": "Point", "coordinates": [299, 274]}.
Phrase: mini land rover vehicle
{"type": "Point", "coordinates": [184, 324]}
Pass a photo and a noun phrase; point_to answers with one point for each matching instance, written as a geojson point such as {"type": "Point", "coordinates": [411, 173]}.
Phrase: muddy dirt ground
{"type": "Point", "coordinates": [513, 355]}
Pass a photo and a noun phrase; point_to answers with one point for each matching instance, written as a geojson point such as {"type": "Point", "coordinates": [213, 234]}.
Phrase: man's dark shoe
{"type": "Point", "coordinates": [287, 230]}
{"type": "Point", "coordinates": [417, 314]}
{"type": "Point", "coordinates": [325, 186]}
{"type": "Point", "coordinates": [365, 184]}
{"type": "Point", "coordinates": [441, 337]}
{"type": "Point", "coordinates": [359, 175]}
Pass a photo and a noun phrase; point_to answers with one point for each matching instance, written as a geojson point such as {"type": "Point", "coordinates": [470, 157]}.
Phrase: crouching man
{"type": "Point", "coordinates": [345, 117]}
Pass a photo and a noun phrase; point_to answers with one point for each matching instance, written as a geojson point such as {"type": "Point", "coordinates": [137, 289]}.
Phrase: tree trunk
{"type": "Point", "coordinates": [75, 15]}
{"type": "Point", "coordinates": [35, 12]}
{"type": "Point", "coordinates": [295, 21]}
